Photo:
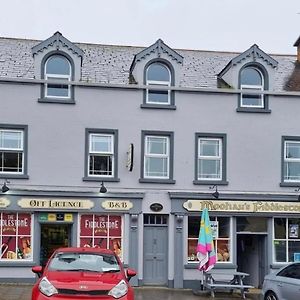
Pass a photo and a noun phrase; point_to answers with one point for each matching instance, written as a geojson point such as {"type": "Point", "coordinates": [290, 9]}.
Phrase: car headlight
{"type": "Point", "coordinates": [119, 290]}
{"type": "Point", "coordinates": [47, 288]}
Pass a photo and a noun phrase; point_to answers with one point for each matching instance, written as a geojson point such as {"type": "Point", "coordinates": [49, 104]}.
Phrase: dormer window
{"type": "Point", "coordinates": [252, 81]}
{"type": "Point", "coordinates": [58, 68]}
{"type": "Point", "coordinates": [158, 75]}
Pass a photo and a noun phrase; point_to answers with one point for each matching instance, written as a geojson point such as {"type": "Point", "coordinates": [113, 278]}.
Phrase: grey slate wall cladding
{"type": "Point", "coordinates": [111, 64]}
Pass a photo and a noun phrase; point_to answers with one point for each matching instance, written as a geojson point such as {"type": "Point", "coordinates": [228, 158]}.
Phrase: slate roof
{"type": "Point", "coordinates": [111, 64]}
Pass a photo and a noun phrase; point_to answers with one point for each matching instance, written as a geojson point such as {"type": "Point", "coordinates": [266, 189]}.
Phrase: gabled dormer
{"type": "Point", "coordinates": [251, 72]}
{"type": "Point", "coordinates": [57, 60]}
{"type": "Point", "coordinates": [158, 67]}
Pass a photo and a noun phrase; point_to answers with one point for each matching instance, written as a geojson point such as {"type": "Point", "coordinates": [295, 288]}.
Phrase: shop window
{"type": "Point", "coordinates": [12, 142]}
{"type": "Point", "coordinates": [58, 68]}
{"type": "Point", "coordinates": [16, 236]}
{"type": "Point", "coordinates": [210, 159]}
{"type": "Point", "coordinates": [157, 149]}
{"type": "Point", "coordinates": [101, 154]}
{"type": "Point", "coordinates": [221, 237]}
{"type": "Point", "coordinates": [103, 231]}
{"type": "Point", "coordinates": [286, 242]}
{"type": "Point", "coordinates": [291, 160]}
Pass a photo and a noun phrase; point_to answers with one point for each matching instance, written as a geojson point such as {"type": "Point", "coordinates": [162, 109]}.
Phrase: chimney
{"type": "Point", "coordinates": [297, 44]}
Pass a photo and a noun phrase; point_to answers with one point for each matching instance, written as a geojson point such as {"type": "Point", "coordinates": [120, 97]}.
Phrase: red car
{"type": "Point", "coordinates": [83, 273]}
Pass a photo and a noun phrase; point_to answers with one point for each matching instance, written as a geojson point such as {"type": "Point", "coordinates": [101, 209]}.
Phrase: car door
{"type": "Point", "coordinates": [289, 282]}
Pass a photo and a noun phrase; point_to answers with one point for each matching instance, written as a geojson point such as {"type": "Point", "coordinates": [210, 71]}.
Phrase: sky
{"type": "Point", "coordinates": [216, 25]}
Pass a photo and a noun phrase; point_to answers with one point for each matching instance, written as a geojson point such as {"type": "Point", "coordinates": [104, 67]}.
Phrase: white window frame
{"type": "Point", "coordinates": [219, 158]}
{"type": "Point", "coordinates": [152, 155]}
{"type": "Point", "coordinates": [251, 89]}
{"type": "Point", "coordinates": [57, 78]}
{"type": "Point", "coordinates": [155, 84]}
{"type": "Point", "coordinates": [289, 160]}
{"type": "Point", "coordinates": [20, 149]}
{"type": "Point", "coordinates": [104, 153]}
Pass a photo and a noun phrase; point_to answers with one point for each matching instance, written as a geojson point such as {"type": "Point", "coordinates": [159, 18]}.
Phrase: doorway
{"type": "Point", "coordinates": [53, 236]}
{"type": "Point", "coordinates": [252, 257]}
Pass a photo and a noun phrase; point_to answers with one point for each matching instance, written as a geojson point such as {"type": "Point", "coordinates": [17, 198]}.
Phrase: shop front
{"type": "Point", "coordinates": [33, 226]}
{"type": "Point", "coordinates": [250, 235]}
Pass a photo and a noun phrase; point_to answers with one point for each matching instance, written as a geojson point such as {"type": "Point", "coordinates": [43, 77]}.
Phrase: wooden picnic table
{"type": "Point", "coordinates": [236, 282]}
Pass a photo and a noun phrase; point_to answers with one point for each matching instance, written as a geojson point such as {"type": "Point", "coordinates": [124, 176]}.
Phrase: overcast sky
{"type": "Point", "coordinates": [218, 25]}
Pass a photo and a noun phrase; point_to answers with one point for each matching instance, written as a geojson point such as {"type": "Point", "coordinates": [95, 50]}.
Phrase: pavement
{"type": "Point", "coordinates": [23, 292]}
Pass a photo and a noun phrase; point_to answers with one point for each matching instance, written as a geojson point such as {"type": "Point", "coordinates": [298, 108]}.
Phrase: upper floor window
{"type": "Point", "coordinates": [210, 158]}
{"type": "Point", "coordinates": [158, 75]}
{"type": "Point", "coordinates": [291, 160]}
{"type": "Point", "coordinates": [101, 154]}
{"type": "Point", "coordinates": [11, 151]}
{"type": "Point", "coordinates": [252, 82]}
{"type": "Point", "coordinates": [157, 157]}
{"type": "Point", "coordinates": [58, 68]}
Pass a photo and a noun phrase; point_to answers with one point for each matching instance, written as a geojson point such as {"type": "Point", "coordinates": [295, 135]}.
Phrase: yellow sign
{"type": "Point", "coordinates": [4, 202]}
{"type": "Point", "coordinates": [55, 203]}
{"type": "Point", "coordinates": [51, 217]}
{"type": "Point", "coordinates": [68, 218]}
{"type": "Point", "coordinates": [117, 205]}
{"type": "Point", "coordinates": [243, 206]}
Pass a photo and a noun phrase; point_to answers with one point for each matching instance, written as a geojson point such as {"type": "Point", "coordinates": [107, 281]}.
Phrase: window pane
{"type": "Point", "coordinates": [158, 96]}
{"type": "Point", "coordinates": [223, 250]}
{"type": "Point", "coordinates": [158, 72]}
{"type": "Point", "coordinates": [101, 143]}
{"type": "Point", "coordinates": [156, 167]}
{"type": "Point", "coordinates": [100, 165]}
{"type": "Point", "coordinates": [292, 171]}
{"type": "Point", "coordinates": [292, 150]}
{"type": "Point", "coordinates": [251, 224]}
{"type": "Point", "coordinates": [156, 145]}
{"type": "Point", "coordinates": [252, 100]}
{"type": "Point", "coordinates": [224, 227]}
{"type": "Point", "coordinates": [11, 162]}
{"type": "Point", "coordinates": [280, 228]}
{"type": "Point", "coordinates": [11, 139]}
{"type": "Point", "coordinates": [58, 65]}
{"type": "Point", "coordinates": [294, 247]}
{"type": "Point", "coordinates": [280, 251]}
{"type": "Point", "coordinates": [58, 90]}
{"type": "Point", "coordinates": [192, 250]}
{"type": "Point", "coordinates": [251, 76]}
{"type": "Point", "coordinates": [208, 168]}
{"type": "Point", "coordinates": [194, 227]}
{"type": "Point", "coordinates": [209, 147]}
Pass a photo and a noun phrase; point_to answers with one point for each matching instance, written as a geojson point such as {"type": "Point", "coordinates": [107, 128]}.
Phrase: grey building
{"type": "Point", "coordinates": [122, 147]}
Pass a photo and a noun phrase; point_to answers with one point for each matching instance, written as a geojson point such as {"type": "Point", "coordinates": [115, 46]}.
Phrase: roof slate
{"type": "Point", "coordinates": [111, 64]}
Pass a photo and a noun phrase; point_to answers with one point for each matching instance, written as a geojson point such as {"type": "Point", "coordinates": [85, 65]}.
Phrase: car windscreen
{"type": "Point", "coordinates": [85, 262]}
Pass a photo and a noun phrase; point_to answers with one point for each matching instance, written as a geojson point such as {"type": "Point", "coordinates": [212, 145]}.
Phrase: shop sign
{"type": "Point", "coordinates": [56, 217]}
{"type": "Point", "coordinates": [243, 206]}
{"type": "Point", "coordinates": [214, 229]}
{"type": "Point", "coordinates": [56, 203]}
{"type": "Point", "coordinates": [117, 205]}
{"type": "Point", "coordinates": [4, 202]}
{"type": "Point", "coordinates": [156, 207]}
{"type": "Point", "coordinates": [297, 257]}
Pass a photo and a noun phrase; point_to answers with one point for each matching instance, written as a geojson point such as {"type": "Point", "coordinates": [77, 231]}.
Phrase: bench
{"type": "Point", "coordinates": [227, 286]}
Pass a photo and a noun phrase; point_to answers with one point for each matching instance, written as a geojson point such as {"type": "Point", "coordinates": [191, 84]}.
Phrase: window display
{"type": "Point", "coordinates": [16, 236]}
{"type": "Point", "coordinates": [103, 231]}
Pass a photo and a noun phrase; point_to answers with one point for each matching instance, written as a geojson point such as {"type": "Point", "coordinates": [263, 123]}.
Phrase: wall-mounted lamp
{"type": "Point", "coordinates": [5, 188]}
{"type": "Point", "coordinates": [103, 189]}
{"type": "Point", "coordinates": [297, 190]}
{"type": "Point", "coordinates": [215, 194]}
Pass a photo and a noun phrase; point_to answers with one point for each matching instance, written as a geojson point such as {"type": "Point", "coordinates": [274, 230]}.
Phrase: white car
{"type": "Point", "coordinates": [283, 284]}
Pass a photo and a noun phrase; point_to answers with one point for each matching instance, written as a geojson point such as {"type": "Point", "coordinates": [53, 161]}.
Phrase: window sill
{"type": "Point", "coordinates": [99, 179]}
{"type": "Point", "coordinates": [56, 100]}
{"type": "Point", "coordinates": [210, 182]}
{"type": "Point", "coordinates": [162, 181]}
{"type": "Point", "coordinates": [14, 176]}
{"type": "Point", "coordinates": [253, 110]}
{"type": "Point", "coordinates": [159, 106]}
{"type": "Point", "coordinates": [289, 184]}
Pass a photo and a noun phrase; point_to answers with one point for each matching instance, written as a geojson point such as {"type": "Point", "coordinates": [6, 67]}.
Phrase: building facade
{"type": "Point", "coordinates": [122, 147]}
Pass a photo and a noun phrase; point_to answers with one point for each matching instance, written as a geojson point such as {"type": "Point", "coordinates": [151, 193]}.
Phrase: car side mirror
{"type": "Point", "coordinates": [130, 273]}
{"type": "Point", "coordinates": [37, 270]}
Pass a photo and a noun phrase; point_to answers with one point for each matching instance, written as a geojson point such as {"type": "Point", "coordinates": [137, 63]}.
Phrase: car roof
{"type": "Point", "coordinates": [85, 249]}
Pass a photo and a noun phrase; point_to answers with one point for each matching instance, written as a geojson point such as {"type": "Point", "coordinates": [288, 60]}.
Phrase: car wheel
{"type": "Point", "coordinates": [271, 296]}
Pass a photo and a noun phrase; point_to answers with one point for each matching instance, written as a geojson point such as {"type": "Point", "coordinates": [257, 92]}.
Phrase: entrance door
{"type": "Point", "coordinates": [155, 250]}
{"type": "Point", "coordinates": [52, 237]}
{"type": "Point", "coordinates": [252, 257]}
